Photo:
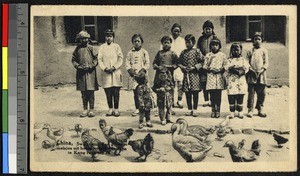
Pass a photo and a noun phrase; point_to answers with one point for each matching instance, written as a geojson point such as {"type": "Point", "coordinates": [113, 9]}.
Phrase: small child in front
{"type": "Point", "coordinates": [214, 65]}
{"type": "Point", "coordinates": [236, 68]}
{"type": "Point", "coordinates": [85, 60]}
{"type": "Point", "coordinates": [163, 87]}
{"type": "Point", "coordinates": [257, 76]}
{"type": "Point", "coordinates": [145, 98]}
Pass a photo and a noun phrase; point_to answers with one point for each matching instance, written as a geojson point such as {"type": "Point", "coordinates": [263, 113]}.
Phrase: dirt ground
{"type": "Point", "coordinates": [60, 107]}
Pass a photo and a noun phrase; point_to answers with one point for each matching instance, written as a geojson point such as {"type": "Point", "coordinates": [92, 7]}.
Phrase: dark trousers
{"type": "Point", "coordinates": [236, 102]}
{"type": "Point", "coordinates": [261, 94]}
{"type": "Point", "coordinates": [136, 98]}
{"type": "Point", "coordinates": [192, 95]}
{"type": "Point", "coordinates": [205, 92]}
{"type": "Point", "coordinates": [112, 95]}
{"type": "Point", "coordinates": [179, 90]}
{"type": "Point", "coordinates": [144, 114]}
{"type": "Point", "coordinates": [164, 109]}
{"type": "Point", "coordinates": [215, 99]}
{"type": "Point", "coordinates": [88, 97]}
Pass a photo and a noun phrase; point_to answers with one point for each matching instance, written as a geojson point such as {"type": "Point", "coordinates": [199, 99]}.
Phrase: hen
{"type": "Point", "coordinates": [143, 146]}
{"type": "Point", "coordinates": [119, 140]}
{"type": "Point", "coordinates": [78, 128]}
{"type": "Point", "coordinates": [241, 144]}
{"type": "Point", "coordinates": [256, 147]}
{"type": "Point", "coordinates": [241, 155]}
{"type": "Point", "coordinates": [280, 140]}
{"type": "Point", "coordinates": [105, 130]}
{"type": "Point", "coordinates": [92, 145]}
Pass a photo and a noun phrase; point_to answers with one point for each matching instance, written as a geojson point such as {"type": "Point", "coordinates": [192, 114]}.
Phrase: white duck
{"type": "Point", "coordinates": [189, 147]}
{"type": "Point", "coordinates": [54, 134]}
{"type": "Point", "coordinates": [198, 131]}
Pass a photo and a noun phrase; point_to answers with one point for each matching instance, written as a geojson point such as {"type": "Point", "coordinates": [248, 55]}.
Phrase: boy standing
{"type": "Point", "coordinates": [257, 75]}
{"type": "Point", "coordinates": [85, 60]}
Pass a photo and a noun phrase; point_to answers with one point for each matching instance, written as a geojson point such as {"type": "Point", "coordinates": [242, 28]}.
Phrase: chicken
{"type": "Point", "coordinates": [189, 147]}
{"type": "Point", "coordinates": [241, 155]}
{"type": "Point", "coordinates": [119, 140]}
{"type": "Point", "coordinates": [224, 123]}
{"type": "Point", "coordinates": [280, 140]}
{"type": "Point", "coordinates": [78, 128]}
{"type": "Point", "coordinates": [256, 147]}
{"type": "Point", "coordinates": [198, 131]}
{"type": "Point", "coordinates": [105, 129]}
{"type": "Point", "coordinates": [54, 135]}
{"type": "Point", "coordinates": [92, 145]}
{"type": "Point", "coordinates": [38, 127]}
{"type": "Point", "coordinates": [221, 132]}
{"type": "Point", "coordinates": [241, 144]}
{"type": "Point", "coordinates": [143, 146]}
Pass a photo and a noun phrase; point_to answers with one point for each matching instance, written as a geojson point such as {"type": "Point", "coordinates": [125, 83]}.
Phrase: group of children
{"type": "Point", "coordinates": [177, 64]}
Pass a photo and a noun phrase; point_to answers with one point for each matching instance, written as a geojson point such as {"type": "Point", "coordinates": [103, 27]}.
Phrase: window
{"type": "Point", "coordinates": [241, 28]}
{"type": "Point", "coordinates": [94, 25]}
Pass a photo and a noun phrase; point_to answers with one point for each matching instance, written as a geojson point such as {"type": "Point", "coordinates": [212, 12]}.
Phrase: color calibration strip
{"type": "Point", "coordinates": [5, 168]}
{"type": "Point", "coordinates": [14, 88]}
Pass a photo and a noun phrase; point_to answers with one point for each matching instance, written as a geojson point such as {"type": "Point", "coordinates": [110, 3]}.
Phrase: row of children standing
{"type": "Point", "coordinates": [203, 68]}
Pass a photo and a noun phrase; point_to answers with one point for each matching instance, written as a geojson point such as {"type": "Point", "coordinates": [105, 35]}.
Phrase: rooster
{"type": "Point", "coordinates": [105, 130]}
{"type": "Point", "coordinates": [119, 140]}
{"type": "Point", "coordinates": [92, 145]}
{"type": "Point", "coordinates": [143, 146]}
{"type": "Point", "coordinates": [280, 140]}
{"type": "Point", "coordinates": [256, 147]}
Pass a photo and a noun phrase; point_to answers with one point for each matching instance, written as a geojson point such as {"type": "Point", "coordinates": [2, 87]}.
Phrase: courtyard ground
{"type": "Point", "coordinates": [60, 106]}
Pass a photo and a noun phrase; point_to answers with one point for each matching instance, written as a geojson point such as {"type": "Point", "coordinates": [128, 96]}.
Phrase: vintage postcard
{"type": "Point", "coordinates": [163, 88]}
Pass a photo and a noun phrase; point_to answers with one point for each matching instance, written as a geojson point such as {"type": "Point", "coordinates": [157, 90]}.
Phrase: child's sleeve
{"type": "Point", "coordinates": [119, 62]}
{"type": "Point", "coordinates": [200, 59]}
{"type": "Point", "coordinates": [140, 96]}
{"type": "Point", "coordinates": [155, 61]}
{"type": "Point", "coordinates": [75, 59]}
{"type": "Point", "coordinates": [174, 60]}
{"type": "Point", "coordinates": [266, 59]}
{"type": "Point", "coordinates": [127, 61]}
{"type": "Point", "coordinates": [147, 60]}
{"type": "Point", "coordinates": [95, 57]}
{"type": "Point", "coordinates": [100, 58]}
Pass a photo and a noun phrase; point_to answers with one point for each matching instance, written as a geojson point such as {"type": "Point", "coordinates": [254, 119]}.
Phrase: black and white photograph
{"type": "Point", "coordinates": [163, 89]}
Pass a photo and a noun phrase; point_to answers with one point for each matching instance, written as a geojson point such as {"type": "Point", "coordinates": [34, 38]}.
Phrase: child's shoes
{"type": "Point", "coordinates": [149, 124]}
{"type": "Point", "coordinates": [179, 104]}
{"type": "Point", "coordinates": [213, 115]}
{"type": "Point", "coordinates": [240, 115]}
{"type": "Point", "coordinates": [135, 113]}
{"type": "Point", "coordinates": [231, 115]}
{"type": "Point", "coordinates": [217, 114]}
{"type": "Point", "coordinates": [141, 126]}
{"type": "Point", "coordinates": [163, 122]}
{"type": "Point", "coordinates": [195, 113]}
{"type": "Point", "coordinates": [250, 114]}
{"type": "Point", "coordinates": [110, 112]}
{"type": "Point", "coordinates": [261, 114]}
{"type": "Point", "coordinates": [116, 113]}
{"type": "Point", "coordinates": [84, 113]}
{"type": "Point", "coordinates": [189, 113]}
{"type": "Point", "coordinates": [91, 113]}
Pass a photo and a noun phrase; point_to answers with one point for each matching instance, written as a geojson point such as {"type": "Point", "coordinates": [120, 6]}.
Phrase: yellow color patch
{"type": "Point", "coordinates": [4, 67]}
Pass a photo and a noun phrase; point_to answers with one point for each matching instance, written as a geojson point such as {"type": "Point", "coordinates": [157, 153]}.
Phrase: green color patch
{"type": "Point", "coordinates": [4, 111]}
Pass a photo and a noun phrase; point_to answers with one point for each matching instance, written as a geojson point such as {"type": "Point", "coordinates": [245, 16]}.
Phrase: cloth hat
{"type": "Point", "coordinates": [257, 34]}
{"type": "Point", "coordinates": [215, 39]}
{"type": "Point", "coordinates": [83, 34]}
{"type": "Point", "coordinates": [176, 25]}
{"type": "Point", "coordinates": [208, 24]}
{"type": "Point", "coordinates": [109, 32]}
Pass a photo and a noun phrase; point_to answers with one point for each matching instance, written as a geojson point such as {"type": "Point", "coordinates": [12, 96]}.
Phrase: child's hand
{"type": "Point", "coordinates": [107, 70]}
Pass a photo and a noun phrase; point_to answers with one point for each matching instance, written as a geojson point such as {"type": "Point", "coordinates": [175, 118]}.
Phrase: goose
{"type": "Point", "coordinates": [198, 131]}
{"type": "Point", "coordinates": [189, 147]}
